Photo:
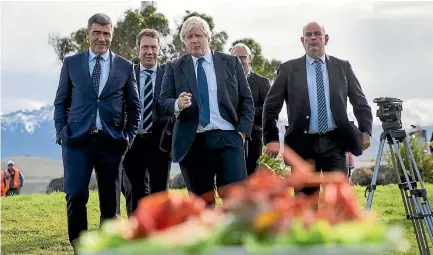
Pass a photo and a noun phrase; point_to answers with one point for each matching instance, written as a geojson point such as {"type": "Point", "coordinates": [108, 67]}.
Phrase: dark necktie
{"type": "Point", "coordinates": [96, 74]}
{"type": "Point", "coordinates": [96, 78]}
{"type": "Point", "coordinates": [322, 113]}
{"type": "Point", "coordinates": [147, 101]}
{"type": "Point", "coordinates": [204, 115]}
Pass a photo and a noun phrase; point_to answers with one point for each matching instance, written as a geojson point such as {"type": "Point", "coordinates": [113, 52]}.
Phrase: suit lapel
{"type": "Point", "coordinates": [111, 74]}
{"type": "Point", "coordinates": [189, 72]}
{"type": "Point", "coordinates": [137, 77]}
{"type": "Point", "coordinates": [300, 79]}
{"type": "Point", "coordinates": [220, 66]}
{"type": "Point", "coordinates": [85, 69]}
{"type": "Point", "coordinates": [333, 74]}
{"type": "Point", "coordinates": [158, 82]}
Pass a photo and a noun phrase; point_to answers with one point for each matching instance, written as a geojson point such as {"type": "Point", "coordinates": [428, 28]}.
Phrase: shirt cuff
{"type": "Point", "coordinates": [176, 108]}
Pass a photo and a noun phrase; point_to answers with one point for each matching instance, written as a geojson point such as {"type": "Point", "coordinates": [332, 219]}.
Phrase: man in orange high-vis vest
{"type": "Point", "coordinates": [4, 187]}
{"type": "Point", "coordinates": [13, 180]}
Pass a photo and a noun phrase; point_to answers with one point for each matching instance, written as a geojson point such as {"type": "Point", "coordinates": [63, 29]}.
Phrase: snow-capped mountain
{"type": "Point", "coordinates": [32, 133]}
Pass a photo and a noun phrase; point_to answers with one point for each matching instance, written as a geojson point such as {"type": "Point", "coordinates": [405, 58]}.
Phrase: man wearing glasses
{"type": "Point", "coordinates": [259, 87]}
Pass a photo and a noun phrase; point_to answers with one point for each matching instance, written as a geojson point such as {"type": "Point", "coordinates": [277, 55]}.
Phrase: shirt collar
{"type": "Point", "coordinates": [310, 60]}
{"type": "Point", "coordinates": [103, 56]}
{"type": "Point", "coordinates": [207, 57]}
{"type": "Point", "coordinates": [142, 68]}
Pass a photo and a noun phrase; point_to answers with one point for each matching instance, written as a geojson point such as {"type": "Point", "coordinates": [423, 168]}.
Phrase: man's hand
{"type": "Point", "coordinates": [273, 149]}
{"type": "Point", "coordinates": [242, 135]}
{"type": "Point", "coordinates": [365, 140]}
{"type": "Point", "coordinates": [184, 100]}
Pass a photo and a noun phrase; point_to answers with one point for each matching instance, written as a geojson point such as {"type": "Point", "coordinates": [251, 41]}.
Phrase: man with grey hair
{"type": "Point", "coordinates": [208, 93]}
{"type": "Point", "coordinates": [315, 88]}
{"type": "Point", "coordinates": [259, 87]}
{"type": "Point", "coordinates": [96, 116]}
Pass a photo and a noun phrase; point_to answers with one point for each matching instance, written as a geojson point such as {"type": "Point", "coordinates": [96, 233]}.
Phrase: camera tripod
{"type": "Point", "coordinates": [416, 203]}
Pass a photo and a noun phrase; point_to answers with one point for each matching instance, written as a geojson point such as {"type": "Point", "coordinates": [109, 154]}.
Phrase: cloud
{"type": "Point", "coordinates": [387, 43]}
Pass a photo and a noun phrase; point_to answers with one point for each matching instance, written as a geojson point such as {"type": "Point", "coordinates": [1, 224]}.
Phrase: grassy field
{"type": "Point", "coordinates": [36, 224]}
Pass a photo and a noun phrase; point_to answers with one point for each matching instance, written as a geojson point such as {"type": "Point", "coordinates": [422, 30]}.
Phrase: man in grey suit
{"type": "Point", "coordinates": [209, 94]}
{"type": "Point", "coordinates": [96, 115]}
{"type": "Point", "coordinates": [315, 88]}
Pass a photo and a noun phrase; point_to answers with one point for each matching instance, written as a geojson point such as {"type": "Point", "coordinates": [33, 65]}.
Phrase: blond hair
{"type": "Point", "coordinates": [195, 22]}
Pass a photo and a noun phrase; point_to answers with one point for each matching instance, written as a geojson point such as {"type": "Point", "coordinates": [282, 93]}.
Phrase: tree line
{"type": "Point", "coordinates": [126, 29]}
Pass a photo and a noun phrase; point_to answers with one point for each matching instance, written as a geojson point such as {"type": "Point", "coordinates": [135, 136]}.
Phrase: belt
{"type": "Point", "coordinates": [145, 134]}
{"type": "Point", "coordinates": [323, 133]}
{"type": "Point", "coordinates": [96, 131]}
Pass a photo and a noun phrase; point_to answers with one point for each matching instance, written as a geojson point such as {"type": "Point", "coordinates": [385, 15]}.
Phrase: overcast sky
{"type": "Point", "coordinates": [387, 43]}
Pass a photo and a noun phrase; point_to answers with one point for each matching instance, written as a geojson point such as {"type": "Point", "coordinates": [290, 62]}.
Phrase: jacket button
{"type": "Point", "coordinates": [307, 117]}
{"type": "Point", "coordinates": [98, 100]}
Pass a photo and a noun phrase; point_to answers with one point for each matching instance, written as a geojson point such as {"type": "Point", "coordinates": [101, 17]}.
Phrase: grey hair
{"type": "Point", "coordinates": [195, 22]}
{"type": "Point", "coordinates": [100, 19]}
{"type": "Point", "coordinates": [322, 28]}
{"type": "Point", "coordinates": [242, 45]}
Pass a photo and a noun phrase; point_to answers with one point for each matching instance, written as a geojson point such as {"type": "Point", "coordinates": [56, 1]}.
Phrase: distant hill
{"type": "Point", "coordinates": [30, 135]}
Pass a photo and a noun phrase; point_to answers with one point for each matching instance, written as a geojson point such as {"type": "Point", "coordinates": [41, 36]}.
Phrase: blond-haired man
{"type": "Point", "coordinates": [208, 93]}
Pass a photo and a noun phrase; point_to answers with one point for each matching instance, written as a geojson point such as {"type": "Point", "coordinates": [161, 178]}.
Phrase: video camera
{"type": "Point", "coordinates": [389, 112]}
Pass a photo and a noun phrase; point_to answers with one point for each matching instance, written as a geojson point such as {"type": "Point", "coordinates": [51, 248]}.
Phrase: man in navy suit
{"type": "Point", "coordinates": [96, 115]}
{"type": "Point", "coordinates": [208, 93]}
{"type": "Point", "coordinates": [146, 165]}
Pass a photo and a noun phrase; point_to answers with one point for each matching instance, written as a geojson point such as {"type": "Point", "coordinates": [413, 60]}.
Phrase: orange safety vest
{"type": "Point", "coordinates": [4, 189]}
{"type": "Point", "coordinates": [17, 181]}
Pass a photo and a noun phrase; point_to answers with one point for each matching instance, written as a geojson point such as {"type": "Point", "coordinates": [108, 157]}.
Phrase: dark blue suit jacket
{"type": "Point", "coordinates": [234, 98]}
{"type": "Point", "coordinates": [76, 102]}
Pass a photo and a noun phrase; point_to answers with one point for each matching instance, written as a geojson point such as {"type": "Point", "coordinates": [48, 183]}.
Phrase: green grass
{"type": "Point", "coordinates": [36, 224]}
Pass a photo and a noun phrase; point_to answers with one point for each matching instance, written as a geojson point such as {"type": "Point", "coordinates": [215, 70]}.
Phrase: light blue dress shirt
{"type": "Point", "coordinates": [312, 94]}
{"type": "Point", "coordinates": [105, 71]}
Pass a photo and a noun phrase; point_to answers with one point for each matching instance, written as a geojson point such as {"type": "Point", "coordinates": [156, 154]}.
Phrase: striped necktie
{"type": "Point", "coordinates": [147, 101]}
{"type": "Point", "coordinates": [322, 113]}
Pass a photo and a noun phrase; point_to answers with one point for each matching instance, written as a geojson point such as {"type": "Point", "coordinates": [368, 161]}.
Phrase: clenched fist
{"type": "Point", "coordinates": [184, 100]}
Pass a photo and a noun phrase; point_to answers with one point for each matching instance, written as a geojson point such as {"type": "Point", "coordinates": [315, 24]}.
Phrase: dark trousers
{"type": "Point", "coordinates": [146, 170]}
{"type": "Point", "coordinates": [255, 146]}
{"type": "Point", "coordinates": [214, 155]}
{"type": "Point", "coordinates": [326, 150]}
{"type": "Point", "coordinates": [105, 156]}
{"type": "Point", "coordinates": [120, 191]}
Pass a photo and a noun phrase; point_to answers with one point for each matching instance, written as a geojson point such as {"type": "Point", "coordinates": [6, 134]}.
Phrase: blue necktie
{"type": "Point", "coordinates": [204, 115]}
{"type": "Point", "coordinates": [321, 100]}
{"type": "Point", "coordinates": [147, 101]}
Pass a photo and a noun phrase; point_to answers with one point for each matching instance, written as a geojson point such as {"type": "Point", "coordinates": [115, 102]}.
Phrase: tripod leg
{"type": "Point", "coordinates": [421, 196]}
{"type": "Point", "coordinates": [409, 209]}
{"type": "Point", "coordinates": [372, 186]}
{"type": "Point", "coordinates": [414, 207]}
